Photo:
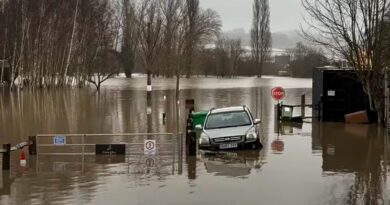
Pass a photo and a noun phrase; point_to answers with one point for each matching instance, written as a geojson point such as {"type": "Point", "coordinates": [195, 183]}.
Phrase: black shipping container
{"type": "Point", "coordinates": [337, 92]}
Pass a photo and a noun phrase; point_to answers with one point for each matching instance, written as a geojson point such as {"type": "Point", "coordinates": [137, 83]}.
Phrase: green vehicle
{"type": "Point", "coordinates": [198, 118]}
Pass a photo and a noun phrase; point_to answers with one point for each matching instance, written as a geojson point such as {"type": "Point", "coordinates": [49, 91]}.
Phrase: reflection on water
{"type": "Point", "coordinates": [312, 163]}
{"type": "Point", "coordinates": [358, 149]}
{"type": "Point", "coordinates": [232, 163]}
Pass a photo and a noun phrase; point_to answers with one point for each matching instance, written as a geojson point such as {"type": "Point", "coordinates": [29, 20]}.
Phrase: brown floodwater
{"type": "Point", "coordinates": [314, 163]}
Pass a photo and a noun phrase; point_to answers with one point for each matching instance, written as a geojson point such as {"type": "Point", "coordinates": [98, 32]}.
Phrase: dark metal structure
{"type": "Point", "coordinates": [337, 92]}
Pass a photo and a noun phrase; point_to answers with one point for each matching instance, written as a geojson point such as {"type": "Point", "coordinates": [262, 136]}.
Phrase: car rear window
{"type": "Point", "coordinates": [227, 119]}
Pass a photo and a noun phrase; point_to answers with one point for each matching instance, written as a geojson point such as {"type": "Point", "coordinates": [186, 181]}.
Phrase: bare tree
{"type": "Point", "coordinates": [53, 43]}
{"type": "Point", "coordinates": [260, 34]}
{"type": "Point", "coordinates": [228, 54]}
{"type": "Point", "coordinates": [192, 13]}
{"type": "Point", "coordinates": [150, 33]}
{"type": "Point", "coordinates": [105, 65]}
{"type": "Point", "coordinates": [201, 25]}
{"type": "Point", "coordinates": [222, 51]}
{"type": "Point", "coordinates": [236, 52]}
{"type": "Point", "coordinates": [304, 59]}
{"type": "Point", "coordinates": [173, 13]}
{"type": "Point", "coordinates": [186, 29]}
{"type": "Point", "coordinates": [59, 43]}
{"type": "Point", "coordinates": [355, 31]}
{"type": "Point", "coordinates": [72, 39]}
{"type": "Point", "coordinates": [130, 38]}
{"type": "Point", "coordinates": [3, 36]}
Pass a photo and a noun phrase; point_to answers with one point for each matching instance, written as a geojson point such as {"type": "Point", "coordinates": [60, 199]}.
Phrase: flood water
{"type": "Point", "coordinates": [313, 163]}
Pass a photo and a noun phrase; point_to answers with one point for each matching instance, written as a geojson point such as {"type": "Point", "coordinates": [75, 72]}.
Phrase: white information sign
{"type": "Point", "coordinates": [331, 93]}
{"type": "Point", "coordinates": [59, 140]}
{"type": "Point", "coordinates": [150, 147]}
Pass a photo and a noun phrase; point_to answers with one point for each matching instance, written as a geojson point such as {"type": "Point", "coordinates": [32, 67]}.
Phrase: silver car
{"type": "Point", "coordinates": [230, 128]}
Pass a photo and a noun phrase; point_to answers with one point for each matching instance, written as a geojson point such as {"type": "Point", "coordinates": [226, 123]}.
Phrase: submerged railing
{"type": "Point", "coordinates": [92, 144]}
{"type": "Point", "coordinates": [95, 144]}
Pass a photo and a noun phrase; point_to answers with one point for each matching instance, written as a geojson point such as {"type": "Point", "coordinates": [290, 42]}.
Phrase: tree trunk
{"type": "Point", "coordinates": [4, 52]}
{"type": "Point", "coordinates": [98, 85]}
{"type": "Point", "coordinates": [2, 68]}
{"type": "Point", "coordinates": [149, 78]}
{"type": "Point", "coordinates": [177, 87]}
{"type": "Point", "coordinates": [260, 70]}
{"type": "Point", "coordinates": [71, 41]}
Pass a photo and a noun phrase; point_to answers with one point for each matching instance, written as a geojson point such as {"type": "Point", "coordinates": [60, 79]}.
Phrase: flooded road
{"type": "Point", "coordinates": [313, 163]}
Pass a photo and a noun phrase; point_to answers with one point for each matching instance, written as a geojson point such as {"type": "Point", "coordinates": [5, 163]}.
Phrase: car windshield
{"type": "Point", "coordinates": [227, 119]}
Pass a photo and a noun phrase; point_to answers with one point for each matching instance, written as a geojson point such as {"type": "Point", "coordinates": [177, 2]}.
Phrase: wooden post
{"type": "Point", "coordinates": [191, 167]}
{"type": "Point", "coordinates": [5, 183]}
{"type": "Point", "coordinates": [32, 145]}
{"type": "Point", "coordinates": [164, 117]}
{"type": "Point", "coordinates": [303, 106]}
{"type": "Point", "coordinates": [188, 126]}
{"type": "Point", "coordinates": [276, 118]}
{"type": "Point", "coordinates": [191, 138]}
{"type": "Point", "coordinates": [6, 156]}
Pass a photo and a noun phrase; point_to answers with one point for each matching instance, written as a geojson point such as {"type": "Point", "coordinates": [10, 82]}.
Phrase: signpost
{"type": "Point", "coordinates": [278, 93]}
{"type": "Point", "coordinates": [150, 147]}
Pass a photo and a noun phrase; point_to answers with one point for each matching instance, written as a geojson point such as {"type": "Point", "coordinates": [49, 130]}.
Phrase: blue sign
{"type": "Point", "coordinates": [59, 140]}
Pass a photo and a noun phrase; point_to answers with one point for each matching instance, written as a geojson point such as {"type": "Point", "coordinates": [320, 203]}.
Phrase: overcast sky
{"type": "Point", "coordinates": [285, 14]}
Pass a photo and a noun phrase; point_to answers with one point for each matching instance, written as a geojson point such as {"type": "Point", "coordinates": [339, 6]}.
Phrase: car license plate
{"type": "Point", "coordinates": [228, 146]}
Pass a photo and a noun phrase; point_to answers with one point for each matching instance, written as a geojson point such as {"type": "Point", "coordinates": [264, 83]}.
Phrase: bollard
{"type": "Point", "coordinates": [191, 145]}
{"type": "Point", "coordinates": [32, 145]}
{"type": "Point", "coordinates": [303, 106]}
{"type": "Point", "coordinates": [6, 156]}
{"type": "Point", "coordinates": [188, 128]}
{"type": "Point", "coordinates": [164, 117]}
{"type": "Point", "coordinates": [189, 124]}
{"type": "Point", "coordinates": [191, 167]}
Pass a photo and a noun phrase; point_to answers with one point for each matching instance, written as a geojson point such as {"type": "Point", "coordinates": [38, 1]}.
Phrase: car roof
{"type": "Point", "coordinates": [228, 109]}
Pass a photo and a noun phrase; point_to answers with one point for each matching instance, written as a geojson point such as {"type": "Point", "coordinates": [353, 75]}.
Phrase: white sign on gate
{"type": "Point", "coordinates": [59, 140]}
{"type": "Point", "coordinates": [150, 147]}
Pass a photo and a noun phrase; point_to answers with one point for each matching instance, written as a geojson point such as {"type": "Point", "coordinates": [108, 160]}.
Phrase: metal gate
{"type": "Point", "coordinates": [61, 151]}
{"type": "Point", "coordinates": [85, 144]}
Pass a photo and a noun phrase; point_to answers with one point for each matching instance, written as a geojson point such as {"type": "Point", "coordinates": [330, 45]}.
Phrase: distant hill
{"type": "Point", "coordinates": [280, 40]}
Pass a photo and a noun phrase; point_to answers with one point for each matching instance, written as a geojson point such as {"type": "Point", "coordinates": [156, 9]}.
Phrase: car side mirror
{"type": "Point", "coordinates": [199, 127]}
{"type": "Point", "coordinates": [257, 121]}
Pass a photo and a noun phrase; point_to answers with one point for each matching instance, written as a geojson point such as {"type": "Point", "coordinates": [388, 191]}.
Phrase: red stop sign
{"type": "Point", "coordinates": [277, 93]}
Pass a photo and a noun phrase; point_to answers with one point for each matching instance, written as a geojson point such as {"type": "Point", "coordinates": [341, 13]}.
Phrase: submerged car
{"type": "Point", "coordinates": [230, 128]}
